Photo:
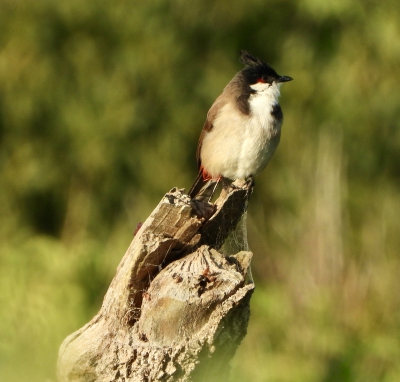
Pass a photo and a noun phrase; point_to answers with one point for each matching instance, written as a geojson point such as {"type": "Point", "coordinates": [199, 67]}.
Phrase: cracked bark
{"type": "Point", "coordinates": [177, 308]}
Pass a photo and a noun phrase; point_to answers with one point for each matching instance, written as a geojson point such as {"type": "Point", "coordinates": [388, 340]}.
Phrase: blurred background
{"type": "Point", "coordinates": [101, 106]}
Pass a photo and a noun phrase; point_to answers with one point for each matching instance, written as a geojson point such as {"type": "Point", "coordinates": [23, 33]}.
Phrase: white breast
{"type": "Point", "coordinates": [241, 145]}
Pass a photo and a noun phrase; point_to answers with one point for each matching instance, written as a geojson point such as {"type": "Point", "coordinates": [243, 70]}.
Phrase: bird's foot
{"type": "Point", "coordinates": [250, 185]}
{"type": "Point", "coordinates": [250, 182]}
{"type": "Point", "coordinates": [240, 184]}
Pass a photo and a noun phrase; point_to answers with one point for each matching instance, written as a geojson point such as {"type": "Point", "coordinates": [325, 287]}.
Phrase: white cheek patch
{"type": "Point", "coordinates": [260, 86]}
{"type": "Point", "coordinates": [269, 93]}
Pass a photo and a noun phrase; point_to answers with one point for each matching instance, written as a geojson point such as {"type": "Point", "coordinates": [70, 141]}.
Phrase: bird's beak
{"type": "Point", "coordinates": [285, 79]}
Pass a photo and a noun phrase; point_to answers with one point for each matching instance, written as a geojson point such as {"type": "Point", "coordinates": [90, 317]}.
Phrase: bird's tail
{"type": "Point", "coordinates": [203, 189]}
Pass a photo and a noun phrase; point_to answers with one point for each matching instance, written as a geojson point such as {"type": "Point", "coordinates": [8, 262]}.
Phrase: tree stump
{"type": "Point", "coordinates": [177, 308]}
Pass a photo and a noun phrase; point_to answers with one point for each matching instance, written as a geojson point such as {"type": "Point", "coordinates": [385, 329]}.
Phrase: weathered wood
{"type": "Point", "coordinates": [176, 309]}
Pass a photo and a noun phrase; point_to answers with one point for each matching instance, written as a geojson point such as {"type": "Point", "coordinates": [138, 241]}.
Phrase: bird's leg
{"type": "Point", "coordinates": [215, 187]}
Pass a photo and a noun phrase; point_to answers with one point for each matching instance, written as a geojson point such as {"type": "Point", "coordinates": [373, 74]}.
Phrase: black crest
{"type": "Point", "coordinates": [256, 69]}
{"type": "Point", "coordinates": [248, 59]}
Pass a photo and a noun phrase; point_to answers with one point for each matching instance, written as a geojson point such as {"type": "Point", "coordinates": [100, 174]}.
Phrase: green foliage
{"type": "Point", "coordinates": [101, 106]}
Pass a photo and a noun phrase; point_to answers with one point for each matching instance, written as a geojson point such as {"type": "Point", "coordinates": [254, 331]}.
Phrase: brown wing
{"type": "Point", "coordinates": [208, 124]}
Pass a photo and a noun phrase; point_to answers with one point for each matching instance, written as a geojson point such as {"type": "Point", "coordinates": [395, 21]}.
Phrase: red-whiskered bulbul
{"type": "Point", "coordinates": [242, 129]}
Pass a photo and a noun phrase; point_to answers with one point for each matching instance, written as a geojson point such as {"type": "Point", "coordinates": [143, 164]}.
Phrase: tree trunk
{"type": "Point", "coordinates": [177, 308]}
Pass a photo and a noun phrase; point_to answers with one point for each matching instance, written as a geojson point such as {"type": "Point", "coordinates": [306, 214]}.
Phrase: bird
{"type": "Point", "coordinates": [242, 129]}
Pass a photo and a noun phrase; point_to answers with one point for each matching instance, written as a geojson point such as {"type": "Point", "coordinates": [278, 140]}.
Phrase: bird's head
{"type": "Point", "coordinates": [258, 74]}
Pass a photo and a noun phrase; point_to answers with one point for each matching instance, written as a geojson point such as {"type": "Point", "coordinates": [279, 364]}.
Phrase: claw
{"type": "Point", "coordinates": [240, 184]}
